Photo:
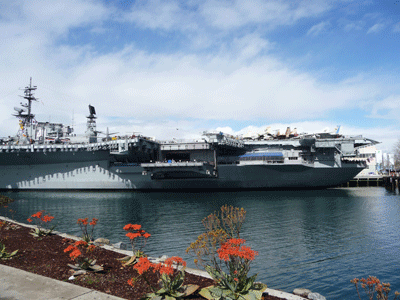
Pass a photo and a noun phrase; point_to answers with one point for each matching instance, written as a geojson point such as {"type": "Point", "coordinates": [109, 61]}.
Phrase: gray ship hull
{"type": "Point", "coordinates": [99, 175]}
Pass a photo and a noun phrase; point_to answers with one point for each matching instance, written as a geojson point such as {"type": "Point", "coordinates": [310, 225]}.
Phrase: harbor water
{"type": "Point", "coordinates": [316, 239]}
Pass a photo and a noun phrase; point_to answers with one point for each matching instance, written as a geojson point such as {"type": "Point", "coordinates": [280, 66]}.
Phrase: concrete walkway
{"type": "Point", "coordinates": [16, 284]}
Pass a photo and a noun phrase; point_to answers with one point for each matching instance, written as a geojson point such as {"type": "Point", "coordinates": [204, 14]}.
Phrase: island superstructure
{"type": "Point", "coordinates": [47, 155]}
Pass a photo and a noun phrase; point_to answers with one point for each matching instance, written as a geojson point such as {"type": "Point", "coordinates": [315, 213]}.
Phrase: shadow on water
{"type": "Point", "coordinates": [318, 239]}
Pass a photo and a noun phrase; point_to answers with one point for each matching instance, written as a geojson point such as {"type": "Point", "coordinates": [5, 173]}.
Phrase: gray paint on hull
{"type": "Point", "coordinates": [97, 175]}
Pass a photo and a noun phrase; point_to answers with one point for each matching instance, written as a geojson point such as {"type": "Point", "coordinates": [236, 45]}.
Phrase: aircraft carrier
{"type": "Point", "coordinates": [49, 156]}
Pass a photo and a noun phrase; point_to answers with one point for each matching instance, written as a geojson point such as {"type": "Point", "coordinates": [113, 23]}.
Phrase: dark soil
{"type": "Point", "coordinates": [4, 200]}
{"type": "Point", "coordinates": [46, 257]}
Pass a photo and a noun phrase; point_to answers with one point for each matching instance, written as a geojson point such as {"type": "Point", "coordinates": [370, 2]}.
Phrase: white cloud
{"type": "Point", "coordinates": [251, 45]}
{"type": "Point", "coordinates": [224, 15]}
{"type": "Point", "coordinates": [354, 26]}
{"type": "Point", "coordinates": [209, 87]}
{"type": "Point", "coordinates": [56, 17]}
{"type": "Point", "coordinates": [318, 28]}
{"type": "Point", "coordinates": [396, 27]}
{"type": "Point", "coordinates": [388, 108]}
{"type": "Point", "coordinates": [157, 14]}
{"type": "Point", "coordinates": [196, 86]}
{"type": "Point", "coordinates": [376, 28]}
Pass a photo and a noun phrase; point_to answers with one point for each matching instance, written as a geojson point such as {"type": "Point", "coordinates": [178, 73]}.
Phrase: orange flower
{"type": "Point", "coordinates": [91, 248]}
{"type": "Point", "coordinates": [166, 267]}
{"type": "Point", "coordinates": [83, 221]}
{"type": "Point", "coordinates": [175, 259]}
{"type": "Point", "coordinates": [69, 248]}
{"type": "Point", "coordinates": [37, 215]}
{"type": "Point", "coordinates": [131, 282]}
{"type": "Point", "coordinates": [132, 227]}
{"type": "Point", "coordinates": [232, 248]}
{"type": "Point", "coordinates": [94, 222]}
{"type": "Point", "coordinates": [146, 235]}
{"type": "Point", "coordinates": [75, 254]}
{"type": "Point", "coordinates": [47, 218]}
{"type": "Point", "coordinates": [29, 220]}
{"type": "Point", "coordinates": [163, 269]}
{"type": "Point", "coordinates": [136, 226]}
{"type": "Point", "coordinates": [236, 242]}
{"type": "Point", "coordinates": [143, 265]}
{"type": "Point", "coordinates": [80, 243]}
{"type": "Point", "coordinates": [132, 235]}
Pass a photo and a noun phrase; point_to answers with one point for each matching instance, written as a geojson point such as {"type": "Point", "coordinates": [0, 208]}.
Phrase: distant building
{"type": "Point", "coordinates": [379, 157]}
{"type": "Point", "coordinates": [371, 157]}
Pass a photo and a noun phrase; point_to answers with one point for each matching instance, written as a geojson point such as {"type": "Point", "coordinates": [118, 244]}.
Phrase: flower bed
{"type": "Point", "coordinates": [46, 257]}
{"type": "Point", "coordinates": [219, 250]}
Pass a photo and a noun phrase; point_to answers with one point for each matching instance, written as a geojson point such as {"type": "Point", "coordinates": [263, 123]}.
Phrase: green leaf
{"type": "Point", "coordinates": [177, 295]}
{"type": "Point", "coordinates": [161, 291]}
{"type": "Point", "coordinates": [206, 293]}
{"type": "Point", "coordinates": [259, 286]}
{"type": "Point", "coordinates": [213, 272]}
{"type": "Point", "coordinates": [152, 296]}
{"type": "Point", "coordinates": [231, 286]}
{"type": "Point", "coordinates": [216, 292]}
{"type": "Point", "coordinates": [189, 289]}
{"type": "Point", "coordinates": [131, 261]}
{"type": "Point", "coordinates": [177, 281]}
{"type": "Point", "coordinates": [253, 295]}
{"type": "Point", "coordinates": [249, 283]}
{"type": "Point", "coordinates": [125, 258]}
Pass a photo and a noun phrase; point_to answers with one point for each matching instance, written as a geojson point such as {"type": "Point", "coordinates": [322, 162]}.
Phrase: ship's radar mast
{"type": "Point", "coordinates": [25, 114]}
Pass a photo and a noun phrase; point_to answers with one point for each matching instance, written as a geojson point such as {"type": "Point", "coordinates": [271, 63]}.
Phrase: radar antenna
{"type": "Point", "coordinates": [25, 114]}
{"type": "Point", "coordinates": [91, 125]}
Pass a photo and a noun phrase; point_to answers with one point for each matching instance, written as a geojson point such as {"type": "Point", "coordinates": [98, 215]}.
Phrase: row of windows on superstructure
{"type": "Point", "coordinates": [366, 155]}
{"type": "Point", "coordinates": [261, 158]}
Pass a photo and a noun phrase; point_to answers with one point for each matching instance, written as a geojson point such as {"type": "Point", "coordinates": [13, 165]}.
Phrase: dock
{"type": "Point", "coordinates": [365, 181]}
{"type": "Point", "coordinates": [390, 182]}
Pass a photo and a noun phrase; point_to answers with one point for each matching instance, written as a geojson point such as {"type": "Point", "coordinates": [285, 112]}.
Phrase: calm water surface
{"type": "Point", "coordinates": [315, 239]}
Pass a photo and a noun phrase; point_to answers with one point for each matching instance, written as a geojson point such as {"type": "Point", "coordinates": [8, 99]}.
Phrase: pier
{"type": "Point", "coordinates": [365, 181]}
{"type": "Point", "coordinates": [390, 182]}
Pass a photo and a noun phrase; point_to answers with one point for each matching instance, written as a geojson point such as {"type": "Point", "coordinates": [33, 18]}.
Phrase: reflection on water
{"type": "Point", "coordinates": [318, 239]}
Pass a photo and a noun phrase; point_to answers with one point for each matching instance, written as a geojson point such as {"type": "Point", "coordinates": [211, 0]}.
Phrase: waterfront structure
{"type": "Point", "coordinates": [369, 153]}
{"type": "Point", "coordinates": [50, 156]}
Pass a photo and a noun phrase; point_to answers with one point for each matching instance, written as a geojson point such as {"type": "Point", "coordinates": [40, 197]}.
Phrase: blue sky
{"type": "Point", "coordinates": [176, 68]}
